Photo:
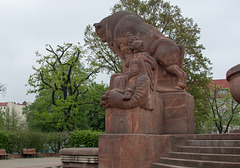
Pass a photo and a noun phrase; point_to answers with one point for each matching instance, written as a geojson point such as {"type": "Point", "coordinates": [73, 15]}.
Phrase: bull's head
{"type": "Point", "coordinates": [100, 30]}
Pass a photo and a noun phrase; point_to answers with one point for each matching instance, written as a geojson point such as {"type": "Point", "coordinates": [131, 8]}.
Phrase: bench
{"type": "Point", "coordinates": [29, 152]}
{"type": "Point", "coordinates": [3, 153]}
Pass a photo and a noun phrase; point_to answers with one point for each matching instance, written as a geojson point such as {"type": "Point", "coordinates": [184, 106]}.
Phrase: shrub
{"type": "Point", "coordinates": [84, 138]}
{"type": "Point", "coordinates": [26, 139]}
{"type": "Point", "coordinates": [4, 141]}
{"type": "Point", "coordinates": [51, 142]}
{"type": "Point", "coordinates": [57, 140]}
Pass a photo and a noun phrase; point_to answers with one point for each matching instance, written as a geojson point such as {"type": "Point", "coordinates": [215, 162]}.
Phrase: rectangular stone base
{"type": "Point", "coordinates": [178, 112]}
{"type": "Point", "coordinates": [136, 150]}
{"type": "Point", "coordinates": [135, 120]}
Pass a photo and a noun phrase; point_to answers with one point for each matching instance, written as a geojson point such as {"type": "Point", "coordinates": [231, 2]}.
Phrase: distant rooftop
{"type": "Point", "coordinates": [5, 103]}
{"type": "Point", "coordinates": [221, 82]}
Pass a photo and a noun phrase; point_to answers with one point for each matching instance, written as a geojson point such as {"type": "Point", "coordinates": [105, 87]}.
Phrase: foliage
{"type": "Point", "coordinates": [4, 141]}
{"type": "Point", "coordinates": [225, 110]}
{"type": "Point", "coordinates": [60, 81]}
{"type": "Point", "coordinates": [25, 139]}
{"type": "Point", "coordinates": [41, 115]}
{"type": "Point", "coordinates": [90, 114]}
{"type": "Point", "coordinates": [84, 138]}
{"type": "Point", "coordinates": [169, 20]}
{"type": "Point", "coordinates": [41, 142]}
{"type": "Point", "coordinates": [95, 111]}
{"type": "Point", "coordinates": [11, 120]}
{"type": "Point", "coordinates": [2, 120]}
{"type": "Point", "coordinates": [57, 140]}
{"type": "Point", "coordinates": [53, 142]}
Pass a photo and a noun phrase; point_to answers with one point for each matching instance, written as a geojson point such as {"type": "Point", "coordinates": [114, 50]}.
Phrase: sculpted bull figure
{"type": "Point", "coordinates": [118, 27]}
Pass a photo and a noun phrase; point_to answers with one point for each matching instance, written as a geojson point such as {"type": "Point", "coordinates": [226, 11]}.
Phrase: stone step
{"type": "Point", "coordinates": [217, 137]}
{"type": "Point", "coordinates": [161, 165]}
{"type": "Point", "coordinates": [216, 150]}
{"type": "Point", "coordinates": [199, 163]}
{"type": "Point", "coordinates": [206, 156]}
{"type": "Point", "coordinates": [222, 143]}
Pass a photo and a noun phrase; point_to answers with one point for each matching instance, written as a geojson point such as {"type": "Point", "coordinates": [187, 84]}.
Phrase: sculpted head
{"type": "Point", "coordinates": [100, 29]}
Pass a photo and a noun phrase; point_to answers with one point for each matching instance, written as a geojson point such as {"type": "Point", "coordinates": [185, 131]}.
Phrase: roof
{"type": "Point", "coordinates": [3, 104]}
{"type": "Point", "coordinates": [221, 82]}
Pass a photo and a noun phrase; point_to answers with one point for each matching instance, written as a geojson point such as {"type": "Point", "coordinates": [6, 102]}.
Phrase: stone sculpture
{"type": "Point", "coordinates": [117, 28]}
{"type": "Point", "coordinates": [146, 100]}
{"type": "Point", "coordinates": [233, 77]}
{"type": "Point", "coordinates": [134, 87]}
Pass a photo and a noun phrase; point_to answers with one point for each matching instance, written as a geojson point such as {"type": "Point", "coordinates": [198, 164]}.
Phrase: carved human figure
{"type": "Point", "coordinates": [134, 87]}
{"type": "Point", "coordinates": [117, 28]}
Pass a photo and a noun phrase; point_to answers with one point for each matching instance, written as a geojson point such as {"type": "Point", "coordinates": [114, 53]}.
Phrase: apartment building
{"type": "Point", "coordinates": [13, 106]}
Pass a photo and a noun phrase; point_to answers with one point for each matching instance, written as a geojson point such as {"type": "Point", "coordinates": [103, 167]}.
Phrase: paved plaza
{"type": "Point", "coordinates": [49, 162]}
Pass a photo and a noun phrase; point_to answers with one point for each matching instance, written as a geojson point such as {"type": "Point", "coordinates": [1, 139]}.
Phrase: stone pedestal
{"type": "Point", "coordinates": [135, 150]}
{"type": "Point", "coordinates": [136, 138]}
{"type": "Point", "coordinates": [173, 114]}
{"type": "Point", "coordinates": [79, 157]}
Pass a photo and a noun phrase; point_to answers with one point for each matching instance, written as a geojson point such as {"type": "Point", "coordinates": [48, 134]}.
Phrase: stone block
{"type": "Point", "coordinates": [79, 157]}
{"type": "Point", "coordinates": [178, 112]}
{"type": "Point", "coordinates": [137, 120]}
{"type": "Point", "coordinates": [135, 150]}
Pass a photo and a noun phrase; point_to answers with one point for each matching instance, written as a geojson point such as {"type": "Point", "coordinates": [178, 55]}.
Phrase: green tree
{"type": "Point", "coordinates": [60, 82]}
{"type": "Point", "coordinates": [2, 120]}
{"type": "Point", "coordinates": [169, 20]}
{"type": "Point", "coordinates": [95, 111]}
{"type": "Point", "coordinates": [11, 120]}
{"type": "Point", "coordinates": [225, 110]}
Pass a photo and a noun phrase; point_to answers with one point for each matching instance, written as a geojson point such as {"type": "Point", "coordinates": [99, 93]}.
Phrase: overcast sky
{"type": "Point", "coordinates": [26, 26]}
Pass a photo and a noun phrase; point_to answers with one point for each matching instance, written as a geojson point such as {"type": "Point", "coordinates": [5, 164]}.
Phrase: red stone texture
{"type": "Point", "coordinates": [173, 114]}
{"type": "Point", "coordinates": [233, 77]}
{"type": "Point", "coordinates": [135, 150]}
{"type": "Point", "coordinates": [178, 113]}
{"type": "Point", "coordinates": [132, 121]}
{"type": "Point", "coordinates": [141, 150]}
{"type": "Point", "coordinates": [165, 82]}
{"type": "Point", "coordinates": [79, 151]}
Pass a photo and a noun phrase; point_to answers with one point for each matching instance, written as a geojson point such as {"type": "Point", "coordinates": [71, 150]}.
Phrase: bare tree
{"type": "Point", "coordinates": [2, 89]}
{"type": "Point", "coordinates": [223, 107]}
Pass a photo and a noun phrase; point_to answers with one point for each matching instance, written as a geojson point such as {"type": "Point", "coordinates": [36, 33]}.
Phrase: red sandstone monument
{"type": "Point", "coordinates": [149, 115]}
{"type": "Point", "coordinates": [233, 77]}
{"type": "Point", "coordinates": [147, 102]}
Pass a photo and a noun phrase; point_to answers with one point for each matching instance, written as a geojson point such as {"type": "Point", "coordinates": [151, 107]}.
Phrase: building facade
{"type": "Point", "coordinates": [16, 107]}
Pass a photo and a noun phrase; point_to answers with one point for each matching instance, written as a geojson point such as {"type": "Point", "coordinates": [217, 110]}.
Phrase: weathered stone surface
{"type": "Point", "coordinates": [178, 113]}
{"type": "Point", "coordinates": [120, 26]}
{"type": "Point", "coordinates": [212, 150]}
{"type": "Point", "coordinates": [135, 150]}
{"type": "Point", "coordinates": [173, 115]}
{"type": "Point", "coordinates": [233, 77]}
{"type": "Point", "coordinates": [79, 151]}
{"type": "Point", "coordinates": [235, 131]}
{"type": "Point", "coordinates": [79, 157]}
{"type": "Point", "coordinates": [147, 99]}
{"type": "Point", "coordinates": [132, 121]}
{"type": "Point", "coordinates": [135, 87]}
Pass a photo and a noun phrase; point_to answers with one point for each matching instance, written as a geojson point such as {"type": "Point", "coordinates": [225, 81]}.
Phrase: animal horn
{"type": "Point", "coordinates": [96, 25]}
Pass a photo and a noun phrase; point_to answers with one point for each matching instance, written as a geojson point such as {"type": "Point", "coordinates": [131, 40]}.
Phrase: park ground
{"type": "Point", "coordinates": [48, 162]}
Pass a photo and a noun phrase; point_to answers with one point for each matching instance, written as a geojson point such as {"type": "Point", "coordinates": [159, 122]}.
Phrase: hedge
{"type": "Point", "coordinates": [85, 138]}
{"type": "Point", "coordinates": [52, 142]}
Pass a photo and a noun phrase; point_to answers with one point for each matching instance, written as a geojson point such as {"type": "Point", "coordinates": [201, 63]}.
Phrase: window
{"type": "Point", "coordinates": [223, 91]}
